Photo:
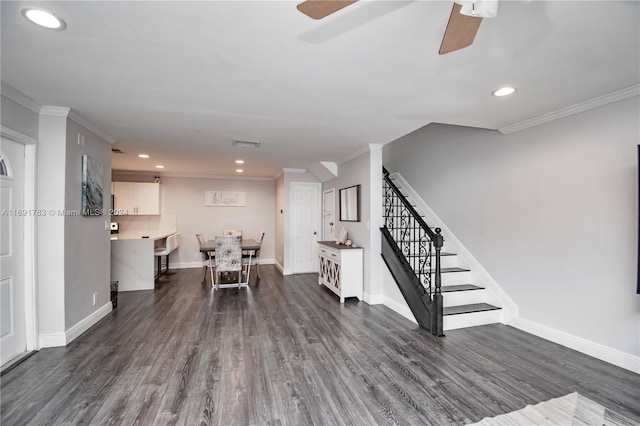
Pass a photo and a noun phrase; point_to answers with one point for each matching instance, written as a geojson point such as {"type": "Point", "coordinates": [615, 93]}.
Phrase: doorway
{"type": "Point", "coordinates": [305, 225]}
{"type": "Point", "coordinates": [13, 336]}
{"type": "Point", "coordinates": [329, 215]}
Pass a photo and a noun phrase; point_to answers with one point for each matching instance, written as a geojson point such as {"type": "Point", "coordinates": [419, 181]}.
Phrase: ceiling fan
{"type": "Point", "coordinates": [462, 27]}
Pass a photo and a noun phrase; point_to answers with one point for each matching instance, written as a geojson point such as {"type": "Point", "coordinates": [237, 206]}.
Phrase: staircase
{"type": "Point", "coordinates": [439, 272]}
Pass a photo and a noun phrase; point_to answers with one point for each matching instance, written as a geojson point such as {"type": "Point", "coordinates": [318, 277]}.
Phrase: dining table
{"type": "Point", "coordinates": [247, 244]}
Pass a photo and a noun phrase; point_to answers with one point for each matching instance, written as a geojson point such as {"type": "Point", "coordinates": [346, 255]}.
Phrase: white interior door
{"type": "Point", "coordinates": [306, 226]}
{"type": "Point", "coordinates": [329, 215]}
{"type": "Point", "coordinates": [12, 278]}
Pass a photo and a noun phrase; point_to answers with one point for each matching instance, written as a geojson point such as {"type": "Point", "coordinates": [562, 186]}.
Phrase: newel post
{"type": "Point", "coordinates": [436, 328]}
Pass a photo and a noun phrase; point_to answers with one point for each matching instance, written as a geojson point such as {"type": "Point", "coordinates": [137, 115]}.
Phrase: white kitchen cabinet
{"type": "Point", "coordinates": [341, 269]}
{"type": "Point", "coordinates": [137, 198]}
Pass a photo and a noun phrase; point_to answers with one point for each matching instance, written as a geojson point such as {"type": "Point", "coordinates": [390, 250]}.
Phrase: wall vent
{"type": "Point", "coordinates": [246, 144]}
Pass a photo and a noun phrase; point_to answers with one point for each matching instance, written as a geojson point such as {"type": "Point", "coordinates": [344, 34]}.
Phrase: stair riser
{"type": "Point", "coordinates": [445, 262]}
{"type": "Point", "coordinates": [455, 298]}
{"type": "Point", "coordinates": [453, 322]}
{"type": "Point", "coordinates": [451, 278]}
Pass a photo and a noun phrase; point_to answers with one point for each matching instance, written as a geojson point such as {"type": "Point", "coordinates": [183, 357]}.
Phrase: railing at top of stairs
{"type": "Point", "coordinates": [416, 241]}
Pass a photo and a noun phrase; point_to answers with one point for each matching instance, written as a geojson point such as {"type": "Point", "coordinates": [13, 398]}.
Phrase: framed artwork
{"type": "Point", "coordinates": [92, 179]}
{"type": "Point", "coordinates": [225, 199]}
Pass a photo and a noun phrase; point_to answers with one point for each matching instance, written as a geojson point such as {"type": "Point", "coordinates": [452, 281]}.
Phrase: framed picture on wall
{"type": "Point", "coordinates": [92, 177]}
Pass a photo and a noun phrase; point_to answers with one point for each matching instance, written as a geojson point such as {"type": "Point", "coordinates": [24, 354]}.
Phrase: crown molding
{"type": "Point", "coordinates": [616, 96]}
{"type": "Point", "coordinates": [17, 136]}
{"type": "Point", "coordinates": [10, 93]}
{"type": "Point", "coordinates": [91, 127]}
{"type": "Point", "coordinates": [54, 111]}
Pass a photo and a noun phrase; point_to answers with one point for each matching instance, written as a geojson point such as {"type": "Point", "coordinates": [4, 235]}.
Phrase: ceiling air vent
{"type": "Point", "coordinates": [246, 144]}
{"type": "Point", "coordinates": [117, 151]}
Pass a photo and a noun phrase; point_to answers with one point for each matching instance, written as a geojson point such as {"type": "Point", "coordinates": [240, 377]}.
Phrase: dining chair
{"type": "Point", "coordinates": [252, 257]}
{"type": "Point", "coordinates": [208, 259]}
{"type": "Point", "coordinates": [228, 257]}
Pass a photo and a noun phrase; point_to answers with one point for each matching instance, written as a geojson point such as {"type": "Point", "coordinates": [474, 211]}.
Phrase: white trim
{"type": "Point", "coordinates": [331, 167]}
{"type": "Point", "coordinates": [55, 111]}
{"type": "Point", "coordinates": [88, 322]}
{"type": "Point", "coordinates": [91, 127]}
{"type": "Point", "coordinates": [596, 350]}
{"type": "Point", "coordinates": [378, 299]}
{"type": "Point", "coordinates": [52, 340]}
{"type": "Point", "coordinates": [19, 98]}
{"type": "Point", "coordinates": [509, 308]}
{"type": "Point", "coordinates": [399, 308]}
{"type": "Point", "coordinates": [326, 191]}
{"type": "Point", "coordinates": [279, 267]}
{"type": "Point", "coordinates": [290, 170]}
{"type": "Point", "coordinates": [573, 109]}
{"type": "Point", "coordinates": [17, 136]}
{"type": "Point", "coordinates": [30, 270]}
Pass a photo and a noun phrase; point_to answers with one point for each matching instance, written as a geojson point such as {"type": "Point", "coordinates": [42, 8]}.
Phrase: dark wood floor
{"type": "Point", "coordinates": [285, 351]}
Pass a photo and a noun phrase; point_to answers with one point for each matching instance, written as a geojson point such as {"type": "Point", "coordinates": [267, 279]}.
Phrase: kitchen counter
{"type": "Point", "coordinates": [133, 259]}
{"type": "Point", "coordinates": [137, 235]}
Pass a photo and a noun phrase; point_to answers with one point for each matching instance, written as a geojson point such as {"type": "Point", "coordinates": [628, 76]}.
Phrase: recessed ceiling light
{"type": "Point", "coordinates": [143, 155]}
{"type": "Point", "coordinates": [503, 91]}
{"type": "Point", "coordinates": [239, 161]}
{"type": "Point", "coordinates": [44, 19]}
{"type": "Point", "coordinates": [239, 170]}
{"type": "Point", "coordinates": [159, 166]}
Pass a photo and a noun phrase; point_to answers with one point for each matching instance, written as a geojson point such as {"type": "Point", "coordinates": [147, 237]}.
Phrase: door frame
{"type": "Point", "coordinates": [327, 191]}
{"type": "Point", "coordinates": [30, 277]}
{"type": "Point", "coordinates": [291, 222]}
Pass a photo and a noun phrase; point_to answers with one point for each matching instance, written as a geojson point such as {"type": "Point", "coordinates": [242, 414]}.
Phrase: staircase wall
{"type": "Point", "coordinates": [550, 213]}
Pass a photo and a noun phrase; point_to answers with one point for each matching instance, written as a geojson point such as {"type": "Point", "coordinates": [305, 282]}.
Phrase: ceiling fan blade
{"type": "Point", "coordinates": [460, 32]}
{"type": "Point", "coordinates": [318, 9]}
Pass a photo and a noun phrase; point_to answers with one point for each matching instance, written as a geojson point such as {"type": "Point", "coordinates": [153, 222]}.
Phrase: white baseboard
{"type": "Point", "coordinates": [88, 322]}
{"type": "Point", "coordinates": [52, 340]}
{"type": "Point", "coordinates": [596, 350]}
{"type": "Point", "coordinates": [280, 267]}
{"type": "Point", "coordinates": [372, 299]}
{"type": "Point", "coordinates": [400, 308]}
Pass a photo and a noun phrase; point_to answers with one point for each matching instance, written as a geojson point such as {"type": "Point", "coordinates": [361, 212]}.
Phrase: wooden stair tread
{"type": "Point", "coordinates": [448, 270]}
{"type": "Point", "coordinates": [460, 287]}
{"type": "Point", "coordinates": [467, 309]}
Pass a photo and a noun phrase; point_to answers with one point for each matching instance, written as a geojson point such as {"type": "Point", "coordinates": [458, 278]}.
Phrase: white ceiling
{"type": "Point", "coordinates": [180, 80]}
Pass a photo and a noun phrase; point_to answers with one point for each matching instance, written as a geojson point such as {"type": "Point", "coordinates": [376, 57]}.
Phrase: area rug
{"type": "Point", "coordinates": [572, 409]}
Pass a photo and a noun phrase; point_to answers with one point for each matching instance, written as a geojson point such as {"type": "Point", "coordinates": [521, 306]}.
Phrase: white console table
{"type": "Point", "coordinates": [341, 269]}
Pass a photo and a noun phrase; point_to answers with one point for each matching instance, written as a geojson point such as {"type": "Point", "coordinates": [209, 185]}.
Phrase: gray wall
{"type": "Point", "coordinates": [550, 212]}
{"type": "Point", "coordinates": [356, 172]}
{"type": "Point", "coordinates": [87, 248]}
